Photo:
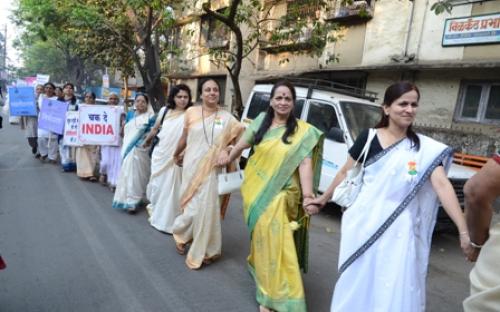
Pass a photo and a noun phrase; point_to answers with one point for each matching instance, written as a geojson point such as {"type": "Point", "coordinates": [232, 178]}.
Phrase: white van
{"type": "Point", "coordinates": [341, 112]}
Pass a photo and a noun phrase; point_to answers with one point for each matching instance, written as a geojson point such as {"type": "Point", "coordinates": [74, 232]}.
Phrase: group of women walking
{"type": "Point", "coordinates": [386, 232]}
{"type": "Point", "coordinates": [49, 147]}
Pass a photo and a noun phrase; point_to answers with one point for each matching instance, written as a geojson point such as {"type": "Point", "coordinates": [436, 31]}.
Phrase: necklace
{"type": "Point", "coordinates": [211, 142]}
{"type": "Point", "coordinates": [275, 124]}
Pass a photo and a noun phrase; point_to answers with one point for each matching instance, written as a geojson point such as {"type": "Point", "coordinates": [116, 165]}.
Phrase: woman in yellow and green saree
{"type": "Point", "coordinates": [280, 180]}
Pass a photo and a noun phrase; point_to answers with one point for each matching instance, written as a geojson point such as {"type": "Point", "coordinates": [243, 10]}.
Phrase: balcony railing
{"type": "Point", "coordinates": [296, 42]}
{"type": "Point", "coordinates": [354, 13]}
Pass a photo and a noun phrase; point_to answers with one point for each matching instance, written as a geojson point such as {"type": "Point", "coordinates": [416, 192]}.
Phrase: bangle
{"type": "Point", "coordinates": [464, 233]}
{"type": "Point", "coordinates": [475, 245]}
{"type": "Point", "coordinates": [308, 196]}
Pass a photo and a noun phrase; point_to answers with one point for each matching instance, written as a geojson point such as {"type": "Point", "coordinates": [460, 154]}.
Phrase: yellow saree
{"type": "Point", "coordinates": [272, 199]}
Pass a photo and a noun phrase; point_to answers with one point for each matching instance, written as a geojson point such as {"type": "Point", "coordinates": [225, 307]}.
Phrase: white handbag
{"type": "Point", "coordinates": [229, 182]}
{"type": "Point", "coordinates": [346, 192]}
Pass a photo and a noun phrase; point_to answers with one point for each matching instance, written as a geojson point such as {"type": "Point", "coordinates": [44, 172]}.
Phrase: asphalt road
{"type": "Point", "coordinates": [67, 250]}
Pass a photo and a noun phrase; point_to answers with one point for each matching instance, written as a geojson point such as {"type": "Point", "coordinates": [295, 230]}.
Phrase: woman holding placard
{"type": "Point", "coordinates": [47, 140]}
{"type": "Point", "coordinates": [136, 165]}
{"type": "Point", "coordinates": [67, 153]}
{"type": "Point", "coordinates": [86, 156]}
{"type": "Point", "coordinates": [30, 125]}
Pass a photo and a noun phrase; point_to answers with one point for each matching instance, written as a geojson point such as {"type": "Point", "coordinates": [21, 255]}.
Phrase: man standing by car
{"type": "Point", "coordinates": [480, 192]}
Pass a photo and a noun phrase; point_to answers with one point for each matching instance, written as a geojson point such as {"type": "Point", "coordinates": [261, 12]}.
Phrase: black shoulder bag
{"type": "Point", "coordinates": [156, 139]}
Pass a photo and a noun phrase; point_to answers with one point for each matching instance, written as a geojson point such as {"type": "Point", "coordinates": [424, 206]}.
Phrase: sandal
{"type": "Point", "coordinates": [92, 179]}
{"type": "Point", "coordinates": [181, 248]}
{"type": "Point", "coordinates": [102, 179]}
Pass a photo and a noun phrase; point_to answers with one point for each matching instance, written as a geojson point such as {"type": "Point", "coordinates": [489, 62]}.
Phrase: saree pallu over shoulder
{"type": "Point", "coordinates": [232, 131]}
{"type": "Point", "coordinates": [387, 232]}
{"type": "Point", "coordinates": [307, 140]}
{"type": "Point", "coordinates": [272, 199]}
{"type": "Point", "coordinates": [135, 128]}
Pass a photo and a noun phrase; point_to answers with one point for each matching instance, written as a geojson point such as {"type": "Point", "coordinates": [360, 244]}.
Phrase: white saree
{"type": "Point", "coordinates": [136, 165]}
{"type": "Point", "coordinates": [386, 233]}
{"type": "Point", "coordinates": [199, 224]}
{"type": "Point", "coordinates": [163, 190]}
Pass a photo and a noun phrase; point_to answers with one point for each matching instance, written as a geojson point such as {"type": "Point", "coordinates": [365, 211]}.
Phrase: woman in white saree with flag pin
{"type": "Point", "coordinates": [386, 233]}
{"type": "Point", "coordinates": [136, 165]}
{"type": "Point", "coordinates": [208, 130]}
{"type": "Point", "coordinates": [163, 189]}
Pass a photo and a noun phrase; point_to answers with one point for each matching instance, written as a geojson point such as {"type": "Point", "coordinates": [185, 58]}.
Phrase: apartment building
{"type": "Point", "coordinates": [453, 57]}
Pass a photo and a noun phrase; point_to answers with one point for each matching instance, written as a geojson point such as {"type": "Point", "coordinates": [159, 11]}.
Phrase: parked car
{"type": "Point", "coordinates": [341, 112]}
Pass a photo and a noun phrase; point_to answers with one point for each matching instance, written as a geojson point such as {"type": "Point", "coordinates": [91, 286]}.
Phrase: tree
{"type": "Point", "coordinates": [252, 25]}
{"type": "Point", "coordinates": [45, 21]}
{"type": "Point", "coordinates": [124, 35]}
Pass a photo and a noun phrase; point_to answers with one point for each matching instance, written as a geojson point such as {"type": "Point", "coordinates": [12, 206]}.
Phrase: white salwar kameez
{"type": "Point", "coordinates": [389, 275]}
{"type": "Point", "coordinates": [163, 190]}
{"type": "Point", "coordinates": [136, 165]}
{"type": "Point", "coordinates": [48, 144]}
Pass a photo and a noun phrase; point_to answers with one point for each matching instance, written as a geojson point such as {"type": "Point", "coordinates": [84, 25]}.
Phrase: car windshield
{"type": "Point", "coordinates": [360, 116]}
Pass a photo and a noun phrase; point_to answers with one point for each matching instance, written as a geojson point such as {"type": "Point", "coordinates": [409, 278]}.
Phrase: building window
{"type": "Point", "coordinates": [479, 101]}
{"type": "Point", "coordinates": [214, 34]}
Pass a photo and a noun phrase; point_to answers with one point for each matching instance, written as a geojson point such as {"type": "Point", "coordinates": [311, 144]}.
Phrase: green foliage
{"type": "Point", "coordinates": [127, 35]}
{"type": "Point", "coordinates": [44, 58]}
{"type": "Point", "coordinates": [442, 6]}
{"type": "Point", "coordinates": [249, 25]}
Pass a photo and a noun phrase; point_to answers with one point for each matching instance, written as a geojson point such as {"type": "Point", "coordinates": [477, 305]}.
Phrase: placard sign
{"type": "Point", "coordinates": [480, 29]}
{"type": "Point", "coordinates": [42, 79]}
{"type": "Point", "coordinates": [71, 129]}
{"type": "Point", "coordinates": [99, 124]}
{"type": "Point", "coordinates": [22, 101]}
{"type": "Point", "coordinates": [52, 115]}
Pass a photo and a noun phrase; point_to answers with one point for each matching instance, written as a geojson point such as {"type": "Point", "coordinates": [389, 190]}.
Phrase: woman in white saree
{"type": "Point", "coordinates": [136, 165]}
{"type": "Point", "coordinates": [386, 233]}
{"type": "Point", "coordinates": [208, 130]}
{"type": "Point", "coordinates": [163, 190]}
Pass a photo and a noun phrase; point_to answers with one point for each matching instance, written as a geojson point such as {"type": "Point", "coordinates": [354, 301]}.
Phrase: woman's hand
{"type": "Point", "coordinates": [320, 201]}
{"type": "Point", "coordinates": [469, 251]}
{"type": "Point", "coordinates": [309, 207]}
{"type": "Point", "coordinates": [223, 159]}
{"type": "Point", "coordinates": [178, 160]}
{"type": "Point", "coordinates": [147, 142]}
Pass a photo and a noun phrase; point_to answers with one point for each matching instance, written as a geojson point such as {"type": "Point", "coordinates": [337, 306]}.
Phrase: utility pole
{"type": "Point", "coordinates": [3, 64]}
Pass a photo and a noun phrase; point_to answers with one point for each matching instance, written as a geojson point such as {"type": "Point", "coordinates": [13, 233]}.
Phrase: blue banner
{"type": "Point", "coordinates": [22, 101]}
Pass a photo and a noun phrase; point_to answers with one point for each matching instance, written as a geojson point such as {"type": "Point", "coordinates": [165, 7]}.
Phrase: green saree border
{"type": "Point", "coordinates": [289, 305]}
{"type": "Point", "coordinates": [276, 183]}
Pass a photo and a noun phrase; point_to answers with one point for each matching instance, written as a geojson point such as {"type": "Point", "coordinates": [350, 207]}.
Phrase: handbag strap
{"type": "Point", "coordinates": [164, 114]}
{"type": "Point", "coordinates": [224, 169]}
{"type": "Point", "coordinates": [371, 135]}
